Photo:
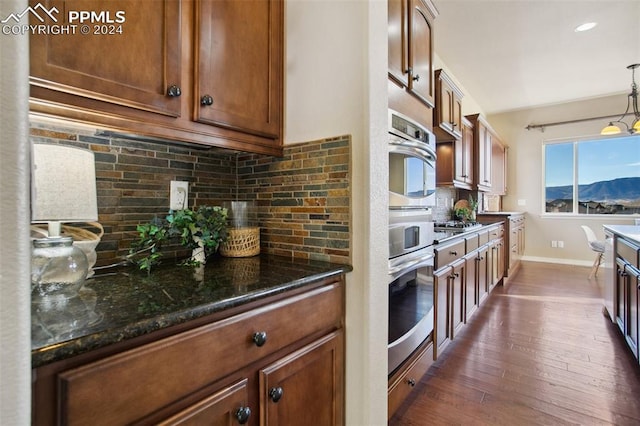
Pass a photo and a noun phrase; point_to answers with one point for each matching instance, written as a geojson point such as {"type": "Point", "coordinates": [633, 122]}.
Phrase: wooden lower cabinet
{"type": "Point", "coordinates": [457, 282]}
{"type": "Point", "coordinates": [442, 310]}
{"type": "Point", "coordinates": [404, 380]}
{"type": "Point", "coordinates": [302, 387]}
{"type": "Point", "coordinates": [471, 292]}
{"type": "Point", "coordinates": [278, 363]}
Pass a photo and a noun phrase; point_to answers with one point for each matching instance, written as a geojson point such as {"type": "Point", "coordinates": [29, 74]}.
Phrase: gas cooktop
{"type": "Point", "coordinates": [453, 225]}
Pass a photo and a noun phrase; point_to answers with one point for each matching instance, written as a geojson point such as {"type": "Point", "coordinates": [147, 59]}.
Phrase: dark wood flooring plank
{"type": "Point", "coordinates": [539, 351]}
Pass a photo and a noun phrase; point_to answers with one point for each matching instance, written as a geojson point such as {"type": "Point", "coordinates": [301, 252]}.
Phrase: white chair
{"type": "Point", "coordinates": [595, 245]}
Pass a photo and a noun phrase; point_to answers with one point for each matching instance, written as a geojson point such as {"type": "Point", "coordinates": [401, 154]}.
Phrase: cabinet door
{"type": "Point", "coordinates": [482, 272]}
{"type": "Point", "coordinates": [421, 52]}
{"type": "Point", "coordinates": [498, 167]}
{"type": "Point", "coordinates": [133, 63]}
{"type": "Point", "coordinates": [470, 284]}
{"type": "Point", "coordinates": [620, 293]}
{"type": "Point", "coordinates": [484, 158]}
{"type": "Point", "coordinates": [225, 407]}
{"type": "Point", "coordinates": [456, 115]}
{"type": "Point", "coordinates": [457, 283]}
{"type": "Point", "coordinates": [306, 387]}
{"type": "Point", "coordinates": [467, 152]}
{"type": "Point", "coordinates": [398, 41]}
{"type": "Point", "coordinates": [441, 310]}
{"type": "Point", "coordinates": [239, 65]}
{"type": "Point", "coordinates": [631, 306]}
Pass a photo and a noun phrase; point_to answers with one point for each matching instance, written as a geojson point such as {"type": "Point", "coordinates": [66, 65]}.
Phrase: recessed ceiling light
{"type": "Point", "coordinates": [585, 27]}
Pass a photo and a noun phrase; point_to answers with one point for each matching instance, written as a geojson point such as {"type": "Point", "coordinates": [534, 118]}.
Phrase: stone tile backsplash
{"type": "Point", "coordinates": [302, 199]}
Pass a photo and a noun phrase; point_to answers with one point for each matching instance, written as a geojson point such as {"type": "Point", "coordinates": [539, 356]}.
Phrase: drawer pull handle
{"type": "Point", "coordinates": [453, 253]}
{"type": "Point", "coordinates": [259, 338]}
{"type": "Point", "coordinates": [243, 414]}
{"type": "Point", "coordinates": [275, 394]}
{"type": "Point", "coordinates": [174, 91]}
{"type": "Point", "coordinates": [411, 382]}
{"type": "Point", "coordinates": [206, 100]}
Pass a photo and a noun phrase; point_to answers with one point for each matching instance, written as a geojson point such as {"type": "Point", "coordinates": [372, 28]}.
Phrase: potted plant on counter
{"type": "Point", "coordinates": [202, 230]}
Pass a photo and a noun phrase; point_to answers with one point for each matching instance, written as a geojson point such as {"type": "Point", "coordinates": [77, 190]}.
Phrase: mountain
{"type": "Point", "coordinates": [623, 189]}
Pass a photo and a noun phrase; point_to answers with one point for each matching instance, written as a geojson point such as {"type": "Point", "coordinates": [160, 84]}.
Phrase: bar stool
{"type": "Point", "coordinates": [595, 245]}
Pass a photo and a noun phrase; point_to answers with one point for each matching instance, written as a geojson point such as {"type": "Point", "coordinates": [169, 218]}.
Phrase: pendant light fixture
{"type": "Point", "coordinates": [632, 102]}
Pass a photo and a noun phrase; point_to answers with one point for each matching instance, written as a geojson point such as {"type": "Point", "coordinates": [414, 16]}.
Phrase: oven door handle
{"type": "Point", "coordinates": [423, 261]}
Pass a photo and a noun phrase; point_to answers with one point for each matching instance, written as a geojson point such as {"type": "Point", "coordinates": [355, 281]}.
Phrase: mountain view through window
{"type": "Point", "coordinates": [599, 176]}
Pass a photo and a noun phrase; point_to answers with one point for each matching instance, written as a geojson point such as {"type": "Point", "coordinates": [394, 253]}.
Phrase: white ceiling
{"type": "Point", "coordinates": [513, 54]}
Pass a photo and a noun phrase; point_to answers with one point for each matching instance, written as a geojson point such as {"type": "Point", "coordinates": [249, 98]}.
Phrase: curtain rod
{"type": "Point", "coordinates": [559, 123]}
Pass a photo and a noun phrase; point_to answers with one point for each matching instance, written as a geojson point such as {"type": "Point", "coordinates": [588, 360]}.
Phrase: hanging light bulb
{"type": "Point", "coordinates": [632, 104]}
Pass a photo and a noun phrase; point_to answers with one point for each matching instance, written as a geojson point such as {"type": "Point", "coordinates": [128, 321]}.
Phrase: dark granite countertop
{"type": "Point", "coordinates": [127, 303]}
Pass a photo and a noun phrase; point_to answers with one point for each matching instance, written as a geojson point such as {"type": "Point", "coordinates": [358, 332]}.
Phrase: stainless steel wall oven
{"type": "Point", "coordinates": [412, 164]}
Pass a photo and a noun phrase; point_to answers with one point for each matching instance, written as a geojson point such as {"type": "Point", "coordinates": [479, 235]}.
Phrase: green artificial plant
{"type": "Point", "coordinates": [204, 228]}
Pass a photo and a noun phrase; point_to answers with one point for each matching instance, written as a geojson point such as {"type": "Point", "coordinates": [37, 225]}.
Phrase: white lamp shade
{"type": "Point", "coordinates": [63, 184]}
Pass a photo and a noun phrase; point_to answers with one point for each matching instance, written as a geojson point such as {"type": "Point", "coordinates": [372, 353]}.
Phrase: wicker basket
{"type": "Point", "coordinates": [241, 242]}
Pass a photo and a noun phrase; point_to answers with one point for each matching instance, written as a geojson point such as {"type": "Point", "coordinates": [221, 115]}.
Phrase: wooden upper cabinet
{"type": "Point", "coordinates": [421, 52]}
{"type": "Point", "coordinates": [447, 116]}
{"type": "Point", "coordinates": [204, 71]}
{"type": "Point", "coordinates": [131, 63]}
{"type": "Point", "coordinates": [455, 164]}
{"type": "Point", "coordinates": [482, 151]}
{"type": "Point", "coordinates": [411, 47]}
{"type": "Point", "coordinates": [398, 41]}
{"type": "Point", "coordinates": [498, 167]}
{"type": "Point", "coordinates": [238, 78]}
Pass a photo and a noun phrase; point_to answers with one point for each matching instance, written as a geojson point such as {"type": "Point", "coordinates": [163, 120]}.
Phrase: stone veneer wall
{"type": "Point", "coordinates": [133, 178]}
{"type": "Point", "coordinates": [303, 199]}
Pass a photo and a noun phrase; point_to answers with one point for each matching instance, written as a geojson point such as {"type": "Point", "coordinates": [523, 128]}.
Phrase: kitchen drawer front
{"type": "Point", "coordinates": [496, 233]}
{"type": "Point", "coordinates": [125, 387]}
{"type": "Point", "coordinates": [471, 243]}
{"type": "Point", "coordinates": [628, 251]}
{"type": "Point", "coordinates": [449, 253]}
{"type": "Point", "coordinates": [402, 386]}
{"type": "Point", "coordinates": [483, 237]}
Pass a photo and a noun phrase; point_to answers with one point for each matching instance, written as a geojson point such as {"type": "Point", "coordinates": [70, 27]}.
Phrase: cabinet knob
{"type": "Point", "coordinates": [479, 258]}
{"type": "Point", "coordinates": [243, 414]}
{"type": "Point", "coordinates": [174, 91]}
{"type": "Point", "coordinates": [206, 100]}
{"type": "Point", "coordinates": [455, 275]}
{"type": "Point", "coordinates": [453, 253]}
{"type": "Point", "coordinates": [416, 77]}
{"type": "Point", "coordinates": [259, 338]}
{"type": "Point", "coordinates": [275, 394]}
{"type": "Point", "coordinates": [409, 70]}
{"type": "Point", "coordinates": [411, 382]}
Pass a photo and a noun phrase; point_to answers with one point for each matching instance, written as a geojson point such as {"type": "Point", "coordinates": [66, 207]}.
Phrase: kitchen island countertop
{"type": "Point", "coordinates": [631, 232]}
{"type": "Point", "coordinates": [127, 303]}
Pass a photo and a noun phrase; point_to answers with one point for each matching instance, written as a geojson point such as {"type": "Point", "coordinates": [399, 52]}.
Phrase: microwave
{"type": "Point", "coordinates": [412, 164]}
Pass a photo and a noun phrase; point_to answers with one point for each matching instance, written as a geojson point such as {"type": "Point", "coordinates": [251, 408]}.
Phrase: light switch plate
{"type": "Point", "coordinates": [179, 195]}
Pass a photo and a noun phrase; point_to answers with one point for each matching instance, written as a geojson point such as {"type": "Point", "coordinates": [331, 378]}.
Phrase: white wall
{"type": "Point", "coordinates": [15, 326]}
{"type": "Point", "coordinates": [525, 174]}
{"type": "Point", "coordinates": [336, 84]}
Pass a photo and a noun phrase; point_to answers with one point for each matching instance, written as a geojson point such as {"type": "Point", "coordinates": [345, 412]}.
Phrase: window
{"type": "Point", "coordinates": [593, 176]}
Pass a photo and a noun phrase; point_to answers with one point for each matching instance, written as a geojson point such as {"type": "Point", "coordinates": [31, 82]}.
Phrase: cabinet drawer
{"type": "Point", "coordinates": [125, 387]}
{"type": "Point", "coordinates": [496, 233]}
{"type": "Point", "coordinates": [628, 251]}
{"type": "Point", "coordinates": [449, 253]}
{"type": "Point", "coordinates": [483, 237]}
{"type": "Point", "coordinates": [471, 243]}
{"type": "Point", "coordinates": [400, 388]}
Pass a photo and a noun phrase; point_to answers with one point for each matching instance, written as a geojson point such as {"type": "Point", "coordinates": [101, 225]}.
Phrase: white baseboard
{"type": "Point", "coordinates": [574, 262]}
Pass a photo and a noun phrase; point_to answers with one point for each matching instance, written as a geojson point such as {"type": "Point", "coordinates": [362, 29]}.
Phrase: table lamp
{"type": "Point", "coordinates": [63, 189]}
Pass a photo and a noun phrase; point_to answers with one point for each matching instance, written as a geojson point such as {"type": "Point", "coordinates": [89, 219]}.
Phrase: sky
{"type": "Point", "coordinates": [599, 160]}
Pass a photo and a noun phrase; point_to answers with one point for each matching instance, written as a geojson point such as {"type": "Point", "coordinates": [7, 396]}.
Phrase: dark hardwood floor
{"type": "Point", "coordinates": [539, 351]}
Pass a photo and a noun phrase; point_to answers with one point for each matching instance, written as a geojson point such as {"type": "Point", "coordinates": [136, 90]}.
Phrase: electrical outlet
{"type": "Point", "coordinates": [179, 195]}
{"type": "Point", "coordinates": [554, 244]}
{"type": "Point", "coordinates": [560, 244]}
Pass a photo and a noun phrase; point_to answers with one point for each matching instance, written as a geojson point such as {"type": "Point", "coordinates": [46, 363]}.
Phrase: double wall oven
{"type": "Point", "coordinates": [412, 185]}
